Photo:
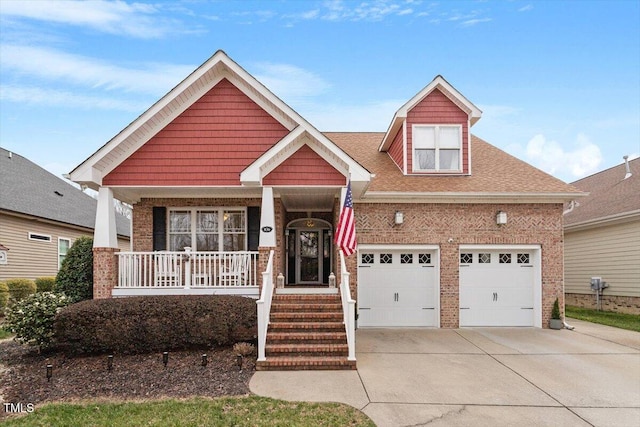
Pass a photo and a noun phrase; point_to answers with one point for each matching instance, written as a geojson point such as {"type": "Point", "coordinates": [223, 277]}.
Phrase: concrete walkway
{"type": "Point", "coordinates": [480, 376]}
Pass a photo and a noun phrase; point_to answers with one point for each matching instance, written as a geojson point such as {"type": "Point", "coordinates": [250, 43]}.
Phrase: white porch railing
{"type": "Point", "coordinates": [348, 308]}
{"type": "Point", "coordinates": [187, 270]}
{"type": "Point", "coordinates": [264, 307]}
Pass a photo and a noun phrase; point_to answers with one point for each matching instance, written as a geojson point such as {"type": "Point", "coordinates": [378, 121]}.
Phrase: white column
{"type": "Point", "coordinates": [267, 220]}
{"type": "Point", "coordinates": [105, 234]}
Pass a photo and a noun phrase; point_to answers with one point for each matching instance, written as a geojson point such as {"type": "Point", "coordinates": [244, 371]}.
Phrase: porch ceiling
{"type": "Point", "coordinates": [134, 194]}
{"type": "Point", "coordinates": [308, 199]}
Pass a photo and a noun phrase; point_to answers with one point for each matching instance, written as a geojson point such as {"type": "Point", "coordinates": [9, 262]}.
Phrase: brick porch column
{"type": "Point", "coordinates": [105, 271]}
{"type": "Point", "coordinates": [105, 246]}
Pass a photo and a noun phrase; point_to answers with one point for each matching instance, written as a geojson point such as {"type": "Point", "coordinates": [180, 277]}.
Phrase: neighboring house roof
{"type": "Point", "coordinates": [496, 174]}
{"type": "Point", "coordinates": [611, 196]}
{"type": "Point", "coordinates": [30, 190]}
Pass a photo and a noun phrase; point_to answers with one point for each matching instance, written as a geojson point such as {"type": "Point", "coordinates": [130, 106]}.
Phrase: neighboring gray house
{"type": "Point", "coordinates": [41, 215]}
{"type": "Point", "coordinates": [602, 239]}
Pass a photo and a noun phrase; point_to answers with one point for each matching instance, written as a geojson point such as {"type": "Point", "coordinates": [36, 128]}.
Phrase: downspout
{"type": "Point", "coordinates": [572, 206]}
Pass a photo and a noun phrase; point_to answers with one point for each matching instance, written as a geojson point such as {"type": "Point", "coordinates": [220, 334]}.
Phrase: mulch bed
{"type": "Point", "coordinates": [137, 377]}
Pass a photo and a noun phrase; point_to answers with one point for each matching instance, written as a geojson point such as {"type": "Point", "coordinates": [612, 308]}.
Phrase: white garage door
{"type": "Point", "coordinates": [497, 287]}
{"type": "Point", "coordinates": [397, 287]}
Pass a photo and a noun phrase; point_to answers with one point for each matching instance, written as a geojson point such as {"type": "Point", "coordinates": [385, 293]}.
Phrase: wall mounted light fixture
{"type": "Point", "coordinates": [501, 218]}
{"type": "Point", "coordinates": [399, 218]}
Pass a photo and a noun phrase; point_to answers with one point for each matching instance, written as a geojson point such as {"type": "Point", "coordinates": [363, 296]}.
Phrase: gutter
{"type": "Point", "coordinates": [620, 217]}
{"type": "Point", "coordinates": [467, 197]}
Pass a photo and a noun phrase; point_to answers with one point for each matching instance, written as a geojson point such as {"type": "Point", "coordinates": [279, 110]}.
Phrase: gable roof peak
{"type": "Point", "coordinates": [441, 84]}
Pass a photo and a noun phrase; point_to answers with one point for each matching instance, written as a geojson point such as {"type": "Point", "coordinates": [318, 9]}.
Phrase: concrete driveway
{"type": "Point", "coordinates": [480, 376]}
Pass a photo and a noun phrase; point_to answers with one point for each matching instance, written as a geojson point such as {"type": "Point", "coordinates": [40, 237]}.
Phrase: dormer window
{"type": "Point", "coordinates": [437, 148]}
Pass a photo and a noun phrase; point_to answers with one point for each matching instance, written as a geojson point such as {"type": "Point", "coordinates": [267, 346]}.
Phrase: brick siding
{"type": "Point", "coordinates": [105, 272]}
{"type": "Point", "coordinates": [426, 224]}
{"type": "Point", "coordinates": [466, 224]}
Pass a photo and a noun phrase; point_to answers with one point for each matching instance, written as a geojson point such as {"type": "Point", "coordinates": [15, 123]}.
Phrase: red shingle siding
{"type": "Point", "coordinates": [436, 108]}
{"type": "Point", "coordinates": [304, 167]}
{"type": "Point", "coordinates": [396, 150]}
{"type": "Point", "coordinates": [210, 143]}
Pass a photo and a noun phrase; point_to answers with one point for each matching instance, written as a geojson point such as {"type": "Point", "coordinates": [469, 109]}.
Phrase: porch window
{"type": "Point", "coordinates": [211, 229]}
{"type": "Point", "coordinates": [437, 148]}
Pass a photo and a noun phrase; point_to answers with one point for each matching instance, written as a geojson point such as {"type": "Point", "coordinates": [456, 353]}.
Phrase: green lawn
{"type": "Point", "coordinates": [4, 333]}
{"type": "Point", "coordinates": [609, 318]}
{"type": "Point", "coordinates": [227, 411]}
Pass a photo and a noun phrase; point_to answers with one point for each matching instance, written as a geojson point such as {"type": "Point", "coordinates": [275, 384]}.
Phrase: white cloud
{"type": "Point", "coordinates": [526, 8]}
{"type": "Point", "coordinates": [290, 82]}
{"type": "Point", "coordinates": [52, 97]}
{"type": "Point", "coordinates": [150, 78]}
{"type": "Point", "coordinates": [470, 22]}
{"type": "Point", "coordinates": [583, 159]}
{"type": "Point", "coordinates": [114, 17]}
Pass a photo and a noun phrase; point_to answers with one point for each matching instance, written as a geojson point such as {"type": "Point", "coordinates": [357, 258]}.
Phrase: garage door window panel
{"type": "Point", "coordinates": [367, 258]}
{"type": "Point", "coordinates": [505, 258]}
{"type": "Point", "coordinates": [386, 258]}
{"type": "Point", "coordinates": [406, 259]}
{"type": "Point", "coordinates": [424, 258]}
{"type": "Point", "coordinates": [466, 258]}
{"type": "Point", "coordinates": [523, 259]}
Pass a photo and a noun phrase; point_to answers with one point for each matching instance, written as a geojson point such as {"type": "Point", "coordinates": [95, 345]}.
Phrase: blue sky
{"type": "Point", "coordinates": [558, 81]}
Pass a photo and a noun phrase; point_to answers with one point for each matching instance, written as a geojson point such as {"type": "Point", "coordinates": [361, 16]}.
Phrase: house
{"type": "Point", "coordinates": [602, 239]}
{"type": "Point", "coordinates": [234, 192]}
{"type": "Point", "coordinates": [41, 215]}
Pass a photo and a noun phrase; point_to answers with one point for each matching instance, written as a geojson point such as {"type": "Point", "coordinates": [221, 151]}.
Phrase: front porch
{"type": "Point", "coordinates": [187, 273]}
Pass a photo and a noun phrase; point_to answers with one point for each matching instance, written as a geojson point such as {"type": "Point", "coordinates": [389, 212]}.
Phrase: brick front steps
{"type": "Point", "coordinates": [306, 332]}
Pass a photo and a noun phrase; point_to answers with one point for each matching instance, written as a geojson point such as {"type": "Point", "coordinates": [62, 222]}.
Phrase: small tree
{"type": "Point", "coordinates": [75, 278]}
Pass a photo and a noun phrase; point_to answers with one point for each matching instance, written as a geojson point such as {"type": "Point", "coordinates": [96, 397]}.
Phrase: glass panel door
{"type": "Point", "coordinates": [309, 256]}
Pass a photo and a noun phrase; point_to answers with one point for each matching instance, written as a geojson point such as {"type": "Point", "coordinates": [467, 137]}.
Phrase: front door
{"type": "Point", "coordinates": [309, 254]}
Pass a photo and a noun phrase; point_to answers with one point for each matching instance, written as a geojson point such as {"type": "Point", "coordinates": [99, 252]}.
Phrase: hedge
{"type": "Point", "coordinates": [4, 297]}
{"type": "Point", "coordinates": [20, 288]}
{"type": "Point", "coordinates": [155, 323]}
{"type": "Point", "coordinates": [45, 284]}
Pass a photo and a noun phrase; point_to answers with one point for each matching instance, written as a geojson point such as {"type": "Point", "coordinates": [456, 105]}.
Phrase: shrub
{"type": "Point", "coordinates": [4, 297]}
{"type": "Point", "coordinates": [155, 323]}
{"type": "Point", "coordinates": [555, 311]}
{"type": "Point", "coordinates": [75, 277]}
{"type": "Point", "coordinates": [31, 319]}
{"type": "Point", "coordinates": [20, 289]}
{"type": "Point", "coordinates": [243, 348]}
{"type": "Point", "coordinates": [45, 284]}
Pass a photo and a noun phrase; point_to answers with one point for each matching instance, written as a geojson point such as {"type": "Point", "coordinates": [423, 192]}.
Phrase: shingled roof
{"type": "Point", "coordinates": [31, 190]}
{"type": "Point", "coordinates": [611, 196]}
{"type": "Point", "coordinates": [494, 172]}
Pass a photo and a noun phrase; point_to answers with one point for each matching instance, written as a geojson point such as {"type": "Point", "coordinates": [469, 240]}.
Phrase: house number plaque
{"type": "Point", "coordinates": [267, 229]}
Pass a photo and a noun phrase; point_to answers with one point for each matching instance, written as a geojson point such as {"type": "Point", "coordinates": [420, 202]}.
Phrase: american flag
{"type": "Point", "coordinates": [346, 231]}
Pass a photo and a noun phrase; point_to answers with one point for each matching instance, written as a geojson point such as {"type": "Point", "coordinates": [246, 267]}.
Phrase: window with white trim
{"type": "Point", "coordinates": [63, 248]}
{"type": "Point", "coordinates": [437, 148]}
{"type": "Point", "coordinates": [208, 229]}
